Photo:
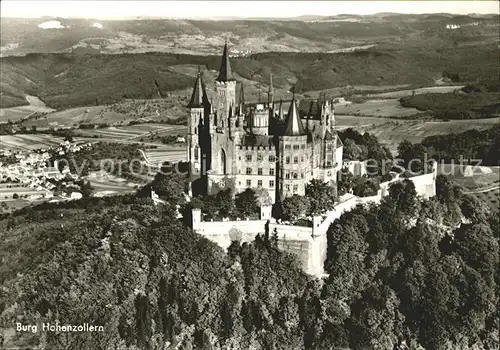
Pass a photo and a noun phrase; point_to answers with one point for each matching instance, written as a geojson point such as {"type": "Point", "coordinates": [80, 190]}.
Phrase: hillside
{"type": "Point", "coordinates": [320, 34]}
{"type": "Point", "coordinates": [124, 264]}
{"type": "Point", "coordinates": [69, 80]}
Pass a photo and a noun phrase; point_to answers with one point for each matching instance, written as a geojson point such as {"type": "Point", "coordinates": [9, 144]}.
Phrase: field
{"type": "Point", "coordinates": [378, 108]}
{"type": "Point", "coordinates": [391, 132]}
{"type": "Point", "coordinates": [419, 91]}
{"type": "Point", "coordinates": [109, 184]}
{"type": "Point", "coordinates": [491, 198]}
{"type": "Point", "coordinates": [155, 157]}
{"type": "Point", "coordinates": [131, 133]}
{"type": "Point", "coordinates": [26, 142]}
{"type": "Point", "coordinates": [16, 114]}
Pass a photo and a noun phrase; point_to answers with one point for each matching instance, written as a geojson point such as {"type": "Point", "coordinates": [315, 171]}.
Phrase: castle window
{"type": "Point", "coordinates": [329, 147]}
{"type": "Point", "coordinates": [287, 146]}
{"type": "Point", "coordinates": [287, 174]}
{"type": "Point", "coordinates": [302, 175]}
{"type": "Point", "coordinates": [271, 183]}
{"type": "Point", "coordinates": [295, 175]}
{"type": "Point", "coordinates": [259, 171]}
{"type": "Point", "coordinates": [287, 187]}
{"type": "Point", "coordinates": [249, 157]}
{"type": "Point", "coordinates": [295, 160]}
{"type": "Point", "coordinates": [239, 183]}
{"type": "Point", "coordinates": [302, 159]}
{"type": "Point", "coordinates": [303, 146]}
{"type": "Point", "coordinates": [249, 183]}
{"type": "Point", "coordinates": [239, 157]}
{"type": "Point", "coordinates": [295, 188]}
{"type": "Point", "coordinates": [329, 173]}
{"type": "Point", "coordinates": [271, 171]}
{"type": "Point", "coordinates": [295, 147]}
{"type": "Point", "coordinates": [328, 163]}
{"type": "Point", "coordinates": [195, 130]}
{"type": "Point", "coordinates": [259, 183]}
{"type": "Point", "coordinates": [249, 171]}
{"type": "Point", "coordinates": [272, 159]}
{"type": "Point", "coordinates": [259, 157]}
{"type": "Point", "coordinates": [196, 153]}
{"type": "Point", "coordinates": [287, 160]}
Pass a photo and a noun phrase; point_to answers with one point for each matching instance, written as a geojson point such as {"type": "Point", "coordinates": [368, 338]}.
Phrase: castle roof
{"type": "Point", "coordinates": [294, 125]}
{"type": "Point", "coordinates": [328, 135]}
{"type": "Point", "coordinates": [199, 97]}
{"type": "Point", "coordinates": [225, 73]}
{"type": "Point", "coordinates": [257, 140]}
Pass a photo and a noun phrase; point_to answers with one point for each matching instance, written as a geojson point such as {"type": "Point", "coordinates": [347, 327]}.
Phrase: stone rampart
{"type": "Point", "coordinates": [308, 243]}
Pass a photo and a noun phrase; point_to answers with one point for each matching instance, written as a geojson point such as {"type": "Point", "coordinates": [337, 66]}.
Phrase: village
{"type": "Point", "coordinates": [26, 176]}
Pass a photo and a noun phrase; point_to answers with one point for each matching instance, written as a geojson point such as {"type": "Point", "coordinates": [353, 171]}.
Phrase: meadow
{"type": "Point", "coordinates": [27, 142]}
{"type": "Point", "coordinates": [391, 132]}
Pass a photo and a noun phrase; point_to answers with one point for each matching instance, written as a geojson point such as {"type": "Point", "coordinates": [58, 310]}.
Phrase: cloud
{"type": "Point", "coordinates": [97, 25]}
{"type": "Point", "coordinates": [51, 25]}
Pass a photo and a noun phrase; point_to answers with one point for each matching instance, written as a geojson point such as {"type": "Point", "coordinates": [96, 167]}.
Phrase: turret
{"type": "Point", "coordinates": [281, 115]}
{"type": "Point", "coordinates": [260, 120]}
{"type": "Point", "coordinates": [241, 108]}
{"type": "Point", "coordinates": [225, 87]}
{"type": "Point", "coordinates": [294, 125]}
{"type": "Point", "coordinates": [231, 123]}
{"type": "Point", "coordinates": [270, 93]}
{"type": "Point", "coordinates": [198, 107]}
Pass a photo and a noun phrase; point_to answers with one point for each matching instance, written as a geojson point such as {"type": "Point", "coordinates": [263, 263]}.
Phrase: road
{"type": "Point", "coordinates": [484, 190]}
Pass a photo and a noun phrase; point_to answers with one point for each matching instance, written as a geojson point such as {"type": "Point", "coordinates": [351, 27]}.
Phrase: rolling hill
{"type": "Point", "coordinates": [315, 34]}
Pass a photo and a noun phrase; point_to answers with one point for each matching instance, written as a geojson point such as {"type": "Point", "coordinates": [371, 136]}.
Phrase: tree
{"type": "Point", "coordinates": [321, 196]}
{"type": "Point", "coordinates": [86, 189]}
{"type": "Point", "coordinates": [246, 203]}
{"type": "Point", "coordinates": [345, 182]}
{"type": "Point", "coordinates": [365, 187]}
{"type": "Point", "coordinates": [15, 196]}
{"type": "Point", "coordinates": [474, 209]}
{"type": "Point", "coordinates": [295, 207]}
{"type": "Point", "coordinates": [413, 157]}
{"type": "Point", "coordinates": [224, 202]}
{"type": "Point", "coordinates": [170, 186]}
{"type": "Point", "coordinates": [262, 196]}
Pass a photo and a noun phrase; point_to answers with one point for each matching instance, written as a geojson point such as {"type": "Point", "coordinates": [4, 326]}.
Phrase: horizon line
{"type": "Point", "coordinates": [222, 18]}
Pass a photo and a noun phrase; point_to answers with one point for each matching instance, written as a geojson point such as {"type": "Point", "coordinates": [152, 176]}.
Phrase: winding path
{"type": "Point", "coordinates": [484, 190]}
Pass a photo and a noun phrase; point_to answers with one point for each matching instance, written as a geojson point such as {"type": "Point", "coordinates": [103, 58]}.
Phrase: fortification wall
{"type": "Point", "coordinates": [309, 244]}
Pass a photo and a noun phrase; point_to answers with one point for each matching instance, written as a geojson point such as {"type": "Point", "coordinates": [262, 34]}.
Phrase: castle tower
{"type": "Point", "coordinates": [225, 87]}
{"type": "Point", "coordinates": [259, 120]}
{"type": "Point", "coordinates": [293, 157]}
{"type": "Point", "coordinates": [198, 106]}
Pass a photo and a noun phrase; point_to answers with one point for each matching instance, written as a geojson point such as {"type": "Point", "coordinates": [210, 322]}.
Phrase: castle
{"type": "Point", "coordinates": [258, 145]}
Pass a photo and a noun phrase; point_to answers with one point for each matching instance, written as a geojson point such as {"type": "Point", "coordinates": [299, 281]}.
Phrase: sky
{"type": "Point", "coordinates": [207, 9]}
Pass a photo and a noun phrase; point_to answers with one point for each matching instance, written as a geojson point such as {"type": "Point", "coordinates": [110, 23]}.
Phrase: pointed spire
{"type": "Point", "coordinates": [270, 93]}
{"type": "Point", "coordinates": [199, 97]}
{"type": "Point", "coordinates": [241, 100]}
{"type": "Point", "coordinates": [281, 115]}
{"type": "Point", "coordinates": [294, 125]}
{"type": "Point", "coordinates": [225, 73]}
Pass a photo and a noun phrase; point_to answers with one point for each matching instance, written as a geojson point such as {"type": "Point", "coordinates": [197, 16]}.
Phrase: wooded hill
{"type": "Point", "coordinates": [69, 80]}
{"type": "Point", "coordinates": [395, 276]}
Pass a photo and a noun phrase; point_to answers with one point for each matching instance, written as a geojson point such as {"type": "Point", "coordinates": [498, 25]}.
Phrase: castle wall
{"type": "Point", "coordinates": [308, 244]}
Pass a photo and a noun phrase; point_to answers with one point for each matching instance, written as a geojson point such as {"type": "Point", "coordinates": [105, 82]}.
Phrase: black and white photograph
{"type": "Point", "coordinates": [233, 175]}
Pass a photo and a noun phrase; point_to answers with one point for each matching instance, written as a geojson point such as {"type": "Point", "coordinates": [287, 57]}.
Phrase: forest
{"type": "Point", "coordinates": [400, 275]}
{"type": "Point", "coordinates": [449, 106]}
{"type": "Point", "coordinates": [474, 145]}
